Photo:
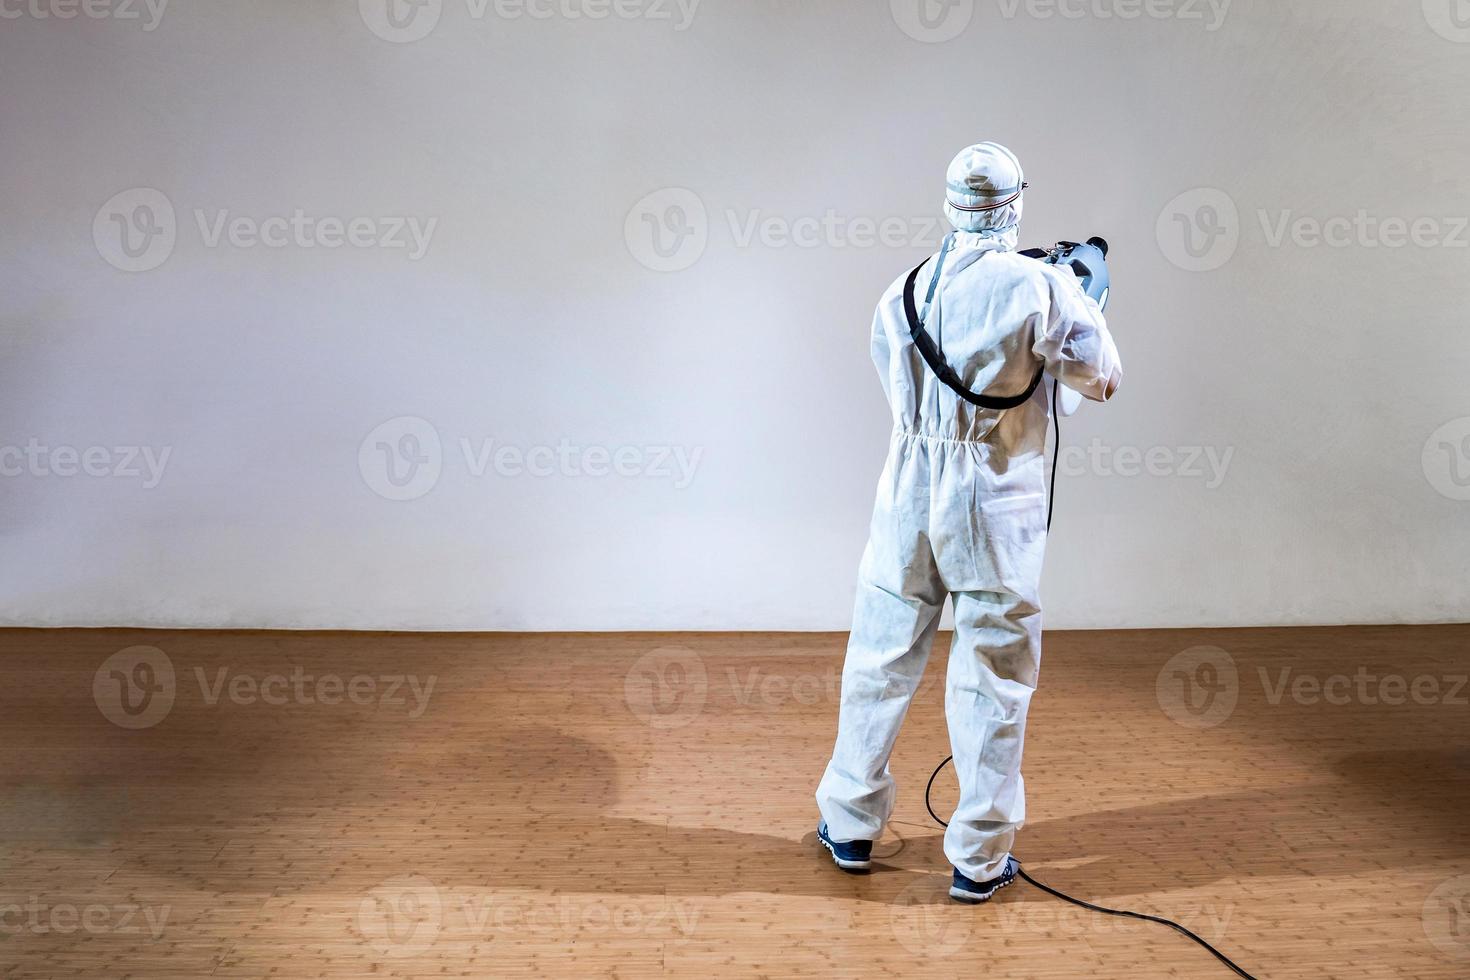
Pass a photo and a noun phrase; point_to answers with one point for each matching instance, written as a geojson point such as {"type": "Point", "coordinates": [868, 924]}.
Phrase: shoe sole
{"type": "Point", "coordinates": [977, 898]}
{"type": "Point", "coordinates": [849, 866]}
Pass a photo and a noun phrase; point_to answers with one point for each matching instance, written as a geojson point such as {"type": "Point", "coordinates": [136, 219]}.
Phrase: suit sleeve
{"type": "Point", "coordinates": [880, 348]}
{"type": "Point", "coordinates": [882, 345]}
{"type": "Point", "coordinates": [1075, 342]}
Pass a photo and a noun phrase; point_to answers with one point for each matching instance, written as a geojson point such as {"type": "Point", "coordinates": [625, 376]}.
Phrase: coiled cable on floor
{"type": "Point", "coordinates": [928, 791]}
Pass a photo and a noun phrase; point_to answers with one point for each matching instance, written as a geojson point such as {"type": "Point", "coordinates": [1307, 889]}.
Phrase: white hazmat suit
{"type": "Point", "coordinates": [961, 513]}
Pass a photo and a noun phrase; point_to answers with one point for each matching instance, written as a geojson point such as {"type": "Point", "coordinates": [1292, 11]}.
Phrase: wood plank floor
{"type": "Point", "coordinates": [339, 805]}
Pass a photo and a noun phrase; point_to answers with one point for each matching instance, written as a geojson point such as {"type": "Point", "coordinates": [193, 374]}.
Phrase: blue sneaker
{"type": "Point", "coordinates": [854, 857]}
{"type": "Point", "coordinates": [975, 892]}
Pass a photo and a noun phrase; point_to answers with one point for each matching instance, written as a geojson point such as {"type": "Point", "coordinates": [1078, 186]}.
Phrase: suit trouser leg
{"type": "Point", "coordinates": [892, 635]}
{"type": "Point", "coordinates": [993, 669]}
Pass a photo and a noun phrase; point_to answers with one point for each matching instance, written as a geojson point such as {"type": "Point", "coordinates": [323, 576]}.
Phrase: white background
{"type": "Point", "coordinates": [1327, 371]}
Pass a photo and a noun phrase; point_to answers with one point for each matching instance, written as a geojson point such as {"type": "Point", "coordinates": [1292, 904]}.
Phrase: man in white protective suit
{"type": "Point", "coordinates": [962, 513]}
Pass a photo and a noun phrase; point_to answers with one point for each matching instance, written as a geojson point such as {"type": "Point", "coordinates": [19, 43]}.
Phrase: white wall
{"type": "Point", "coordinates": [534, 318]}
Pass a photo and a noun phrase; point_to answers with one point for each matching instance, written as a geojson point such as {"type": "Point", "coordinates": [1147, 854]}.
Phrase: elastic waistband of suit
{"type": "Point", "coordinates": [930, 437]}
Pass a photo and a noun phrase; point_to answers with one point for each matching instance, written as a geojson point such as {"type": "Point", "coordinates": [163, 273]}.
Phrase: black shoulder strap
{"type": "Point", "coordinates": [935, 358]}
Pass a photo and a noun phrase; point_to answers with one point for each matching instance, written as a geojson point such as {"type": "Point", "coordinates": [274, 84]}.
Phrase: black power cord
{"type": "Point", "coordinates": [1056, 458]}
{"type": "Point", "coordinates": [929, 789]}
{"type": "Point", "coordinates": [1088, 905]}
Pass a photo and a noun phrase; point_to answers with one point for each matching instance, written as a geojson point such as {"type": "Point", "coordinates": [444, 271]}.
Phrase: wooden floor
{"type": "Point", "coordinates": [638, 806]}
